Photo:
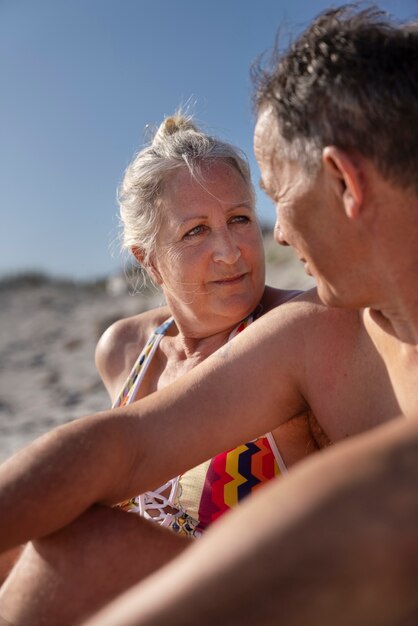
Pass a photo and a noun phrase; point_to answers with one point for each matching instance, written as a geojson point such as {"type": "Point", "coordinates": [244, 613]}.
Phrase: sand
{"type": "Point", "coordinates": [48, 333]}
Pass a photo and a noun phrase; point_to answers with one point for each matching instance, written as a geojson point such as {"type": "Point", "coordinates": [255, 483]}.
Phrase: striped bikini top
{"type": "Point", "coordinates": [189, 503]}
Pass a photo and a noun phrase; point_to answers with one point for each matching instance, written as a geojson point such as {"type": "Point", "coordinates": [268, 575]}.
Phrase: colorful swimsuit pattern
{"type": "Point", "coordinates": [189, 503]}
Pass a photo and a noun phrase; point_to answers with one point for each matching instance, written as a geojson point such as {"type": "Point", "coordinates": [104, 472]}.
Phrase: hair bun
{"type": "Point", "coordinates": [171, 125]}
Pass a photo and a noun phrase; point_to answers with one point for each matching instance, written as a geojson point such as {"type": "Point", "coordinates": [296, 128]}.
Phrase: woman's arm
{"type": "Point", "coordinates": [243, 390]}
{"type": "Point", "coordinates": [336, 543]}
{"type": "Point", "coordinates": [50, 482]}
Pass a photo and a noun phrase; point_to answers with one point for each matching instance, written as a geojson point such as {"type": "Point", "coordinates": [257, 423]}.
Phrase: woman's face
{"type": "Point", "coordinates": [209, 257]}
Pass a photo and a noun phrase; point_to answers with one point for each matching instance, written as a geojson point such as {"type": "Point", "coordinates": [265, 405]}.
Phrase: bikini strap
{"type": "Point", "coordinates": [138, 371]}
{"type": "Point", "coordinates": [140, 367]}
{"type": "Point", "coordinates": [246, 322]}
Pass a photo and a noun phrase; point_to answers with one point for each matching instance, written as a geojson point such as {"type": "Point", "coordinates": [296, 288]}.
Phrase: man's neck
{"type": "Point", "coordinates": [395, 339]}
{"type": "Point", "coordinates": [394, 244]}
{"type": "Point", "coordinates": [402, 327]}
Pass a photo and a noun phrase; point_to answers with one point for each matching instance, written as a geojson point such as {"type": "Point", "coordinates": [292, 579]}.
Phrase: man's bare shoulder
{"type": "Point", "coordinates": [306, 307]}
{"type": "Point", "coordinates": [299, 330]}
{"type": "Point", "coordinates": [274, 297]}
{"type": "Point", "coordinates": [305, 331]}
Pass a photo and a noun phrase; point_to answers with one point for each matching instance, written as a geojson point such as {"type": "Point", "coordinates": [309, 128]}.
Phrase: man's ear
{"type": "Point", "coordinates": [148, 266]}
{"type": "Point", "coordinates": [343, 168]}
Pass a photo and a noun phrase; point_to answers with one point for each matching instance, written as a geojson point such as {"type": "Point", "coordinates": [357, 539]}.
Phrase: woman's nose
{"type": "Point", "coordinates": [226, 249]}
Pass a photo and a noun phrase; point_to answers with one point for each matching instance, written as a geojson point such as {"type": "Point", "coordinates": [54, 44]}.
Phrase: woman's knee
{"type": "Point", "coordinates": [95, 558]}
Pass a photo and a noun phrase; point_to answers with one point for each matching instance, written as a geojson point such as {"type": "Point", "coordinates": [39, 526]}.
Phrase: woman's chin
{"type": "Point", "coordinates": [237, 308]}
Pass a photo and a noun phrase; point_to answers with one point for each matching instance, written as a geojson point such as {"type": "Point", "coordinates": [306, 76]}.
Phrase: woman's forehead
{"type": "Point", "coordinates": [220, 182]}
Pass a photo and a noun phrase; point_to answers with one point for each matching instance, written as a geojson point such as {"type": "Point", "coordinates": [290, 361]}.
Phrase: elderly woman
{"type": "Point", "coordinates": [188, 211]}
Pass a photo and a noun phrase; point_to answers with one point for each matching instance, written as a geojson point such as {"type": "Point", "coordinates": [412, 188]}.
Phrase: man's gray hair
{"type": "Point", "coordinates": [349, 80]}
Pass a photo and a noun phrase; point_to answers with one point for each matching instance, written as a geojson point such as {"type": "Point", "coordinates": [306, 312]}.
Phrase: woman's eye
{"type": "Point", "coordinates": [197, 230]}
{"type": "Point", "coordinates": [240, 219]}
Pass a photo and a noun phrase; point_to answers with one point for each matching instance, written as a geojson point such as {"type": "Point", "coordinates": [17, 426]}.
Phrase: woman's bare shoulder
{"type": "Point", "coordinates": [121, 343]}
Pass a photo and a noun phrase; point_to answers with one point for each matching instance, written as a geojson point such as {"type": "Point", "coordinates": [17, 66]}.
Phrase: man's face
{"type": "Point", "coordinates": [305, 209]}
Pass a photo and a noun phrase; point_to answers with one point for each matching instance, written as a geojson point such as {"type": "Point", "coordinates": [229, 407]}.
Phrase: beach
{"type": "Point", "coordinates": [48, 332]}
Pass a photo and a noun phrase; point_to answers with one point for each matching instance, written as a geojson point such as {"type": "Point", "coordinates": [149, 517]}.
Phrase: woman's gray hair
{"type": "Point", "coordinates": [177, 143]}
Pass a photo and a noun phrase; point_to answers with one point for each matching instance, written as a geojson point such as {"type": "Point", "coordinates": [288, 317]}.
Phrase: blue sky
{"type": "Point", "coordinates": [80, 81]}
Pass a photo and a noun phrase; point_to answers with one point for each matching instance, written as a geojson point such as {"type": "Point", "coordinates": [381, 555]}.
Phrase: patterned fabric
{"type": "Point", "coordinates": [189, 503]}
{"type": "Point", "coordinates": [233, 475]}
{"type": "Point", "coordinates": [128, 392]}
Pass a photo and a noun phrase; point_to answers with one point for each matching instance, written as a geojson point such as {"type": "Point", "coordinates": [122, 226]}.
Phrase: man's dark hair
{"type": "Point", "coordinates": [350, 80]}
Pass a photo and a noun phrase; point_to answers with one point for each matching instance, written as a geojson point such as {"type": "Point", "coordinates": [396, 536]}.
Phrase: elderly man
{"type": "Point", "coordinates": [336, 540]}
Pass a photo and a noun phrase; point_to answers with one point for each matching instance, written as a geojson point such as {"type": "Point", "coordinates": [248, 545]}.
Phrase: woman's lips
{"type": "Point", "coordinates": [230, 281]}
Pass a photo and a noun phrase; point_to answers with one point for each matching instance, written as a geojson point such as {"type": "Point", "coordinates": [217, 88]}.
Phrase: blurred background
{"type": "Point", "coordinates": [83, 82]}
{"type": "Point", "coordinates": [82, 79]}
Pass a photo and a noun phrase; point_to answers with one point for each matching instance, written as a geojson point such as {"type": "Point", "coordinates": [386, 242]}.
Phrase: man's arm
{"type": "Point", "coordinates": [335, 542]}
{"type": "Point", "coordinates": [237, 394]}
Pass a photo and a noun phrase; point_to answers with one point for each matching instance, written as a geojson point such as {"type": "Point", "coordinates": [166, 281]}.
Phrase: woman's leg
{"type": "Point", "coordinates": [65, 577]}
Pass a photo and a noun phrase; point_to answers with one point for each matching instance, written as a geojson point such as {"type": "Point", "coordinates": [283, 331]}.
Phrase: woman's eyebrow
{"type": "Point", "coordinates": [192, 218]}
